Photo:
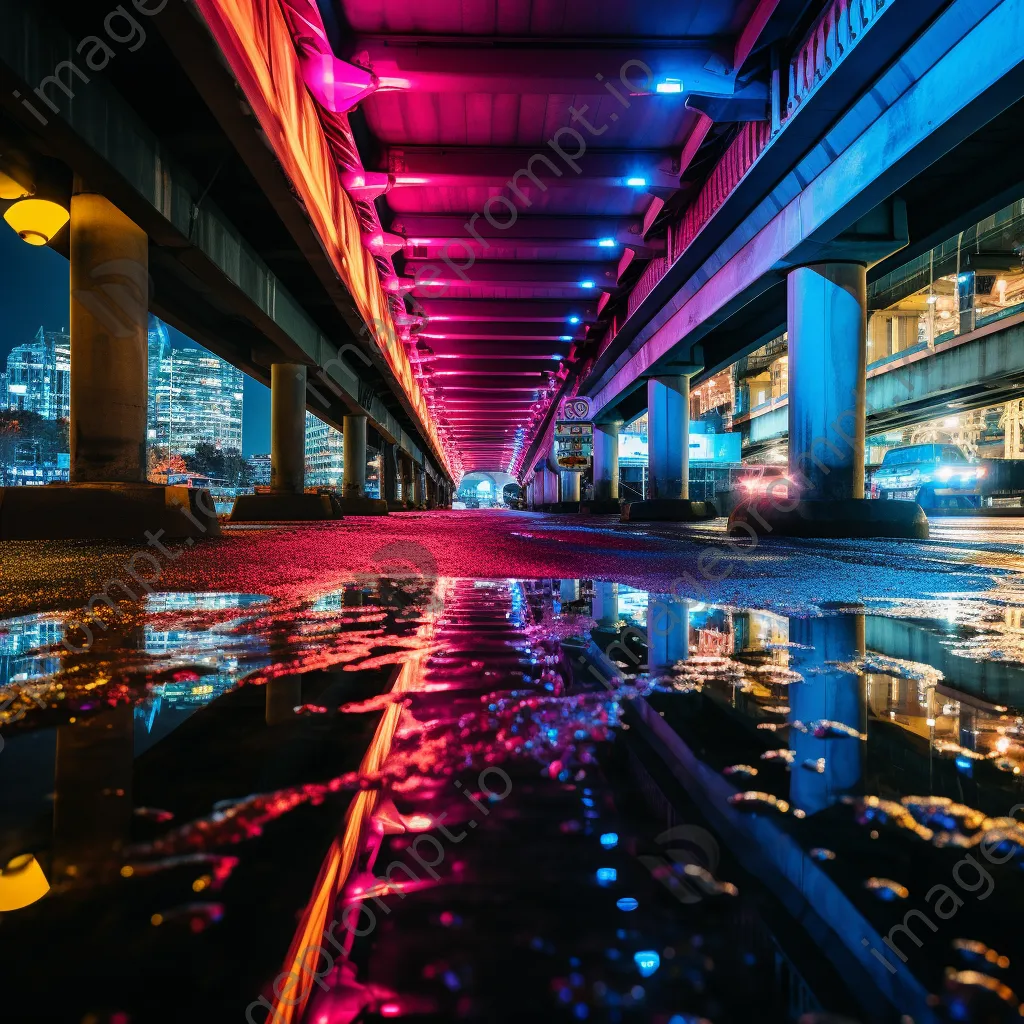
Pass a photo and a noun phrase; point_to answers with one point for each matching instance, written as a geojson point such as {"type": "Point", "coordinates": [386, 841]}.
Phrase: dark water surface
{"type": "Point", "coordinates": [510, 800]}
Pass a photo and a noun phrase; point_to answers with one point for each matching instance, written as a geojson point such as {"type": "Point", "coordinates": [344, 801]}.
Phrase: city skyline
{"type": "Point", "coordinates": [34, 293]}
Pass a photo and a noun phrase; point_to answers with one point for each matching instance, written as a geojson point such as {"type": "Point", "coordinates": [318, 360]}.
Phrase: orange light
{"type": "Point", "coordinates": [36, 220]}
{"type": "Point", "coordinates": [22, 883]}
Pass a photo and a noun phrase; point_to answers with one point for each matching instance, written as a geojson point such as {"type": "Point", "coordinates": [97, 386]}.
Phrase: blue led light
{"type": "Point", "coordinates": [605, 876]}
{"type": "Point", "coordinates": [627, 903]}
{"type": "Point", "coordinates": [669, 85]}
{"type": "Point", "coordinates": [586, 284]}
{"type": "Point", "coordinates": [647, 962]}
{"type": "Point", "coordinates": [637, 182]}
{"type": "Point", "coordinates": [565, 337]}
{"type": "Point", "coordinates": [610, 840]}
{"type": "Point", "coordinates": [606, 243]}
{"type": "Point", "coordinates": [574, 319]}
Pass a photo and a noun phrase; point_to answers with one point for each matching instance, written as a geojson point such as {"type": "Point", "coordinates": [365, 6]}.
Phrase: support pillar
{"type": "Point", "coordinates": [668, 456]}
{"type": "Point", "coordinates": [549, 483]}
{"type": "Point", "coordinates": [668, 632]}
{"type": "Point", "coordinates": [353, 440]}
{"type": "Point", "coordinates": [390, 473]}
{"type": "Point", "coordinates": [606, 469]}
{"type": "Point", "coordinates": [827, 381]}
{"type": "Point", "coordinates": [287, 500]}
{"type": "Point", "coordinates": [288, 428]}
{"type": "Point", "coordinates": [407, 468]}
{"type": "Point", "coordinates": [827, 374]}
{"type": "Point", "coordinates": [827, 769]}
{"type": "Point", "coordinates": [108, 495]}
{"type": "Point", "coordinates": [569, 487]}
{"type": "Point", "coordinates": [419, 493]}
{"type": "Point", "coordinates": [354, 500]}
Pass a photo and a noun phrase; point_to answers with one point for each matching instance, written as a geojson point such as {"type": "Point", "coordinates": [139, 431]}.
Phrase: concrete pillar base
{"type": "Point", "coordinates": [282, 508]}
{"type": "Point", "coordinates": [363, 506]}
{"type": "Point", "coordinates": [608, 507]}
{"type": "Point", "coordinates": [851, 517]}
{"type": "Point", "coordinates": [396, 505]}
{"type": "Point", "coordinates": [106, 511]}
{"type": "Point", "coordinates": [668, 510]}
{"type": "Point", "coordinates": [562, 507]}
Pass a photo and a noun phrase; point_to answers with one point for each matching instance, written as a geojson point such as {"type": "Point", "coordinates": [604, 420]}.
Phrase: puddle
{"type": "Point", "coordinates": [512, 800]}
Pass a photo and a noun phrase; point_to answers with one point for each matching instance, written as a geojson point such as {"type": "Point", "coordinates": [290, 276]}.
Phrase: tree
{"type": "Point", "coordinates": [225, 464]}
{"type": "Point", "coordinates": [10, 429]}
{"type": "Point", "coordinates": [161, 465]}
{"type": "Point", "coordinates": [25, 437]}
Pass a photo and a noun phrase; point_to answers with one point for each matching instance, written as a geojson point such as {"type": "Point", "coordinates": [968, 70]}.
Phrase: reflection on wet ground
{"type": "Point", "coordinates": [468, 799]}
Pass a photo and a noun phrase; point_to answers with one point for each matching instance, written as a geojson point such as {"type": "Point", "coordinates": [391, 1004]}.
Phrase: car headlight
{"type": "Point", "coordinates": [944, 473]}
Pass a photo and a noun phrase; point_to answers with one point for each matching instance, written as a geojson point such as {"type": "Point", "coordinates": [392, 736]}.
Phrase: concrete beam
{"type": "Point", "coordinates": [541, 311]}
{"type": "Point", "coordinates": [786, 166]}
{"type": "Point", "coordinates": [529, 170]}
{"type": "Point", "coordinates": [861, 161]}
{"type": "Point", "coordinates": [582, 277]}
{"type": "Point", "coordinates": [426, 67]}
{"type": "Point", "coordinates": [209, 281]}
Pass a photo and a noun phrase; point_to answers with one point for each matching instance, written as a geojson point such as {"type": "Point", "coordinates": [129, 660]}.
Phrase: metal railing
{"type": "Point", "coordinates": [830, 38]}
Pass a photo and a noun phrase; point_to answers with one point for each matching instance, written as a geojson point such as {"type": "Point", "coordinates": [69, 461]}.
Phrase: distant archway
{"type": "Point", "coordinates": [470, 487]}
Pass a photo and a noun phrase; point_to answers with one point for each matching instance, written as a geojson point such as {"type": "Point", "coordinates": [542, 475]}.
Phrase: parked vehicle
{"type": "Point", "coordinates": [933, 475]}
{"type": "Point", "coordinates": [773, 480]}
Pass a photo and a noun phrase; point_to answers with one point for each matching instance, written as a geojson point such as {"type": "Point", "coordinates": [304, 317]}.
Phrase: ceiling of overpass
{"type": "Point", "coordinates": [510, 278]}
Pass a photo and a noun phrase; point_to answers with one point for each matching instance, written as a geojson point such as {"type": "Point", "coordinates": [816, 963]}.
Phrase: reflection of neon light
{"type": "Point", "coordinates": [343, 852]}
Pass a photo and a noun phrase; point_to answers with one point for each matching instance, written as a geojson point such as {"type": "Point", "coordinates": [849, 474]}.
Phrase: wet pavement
{"type": "Point", "coordinates": [330, 775]}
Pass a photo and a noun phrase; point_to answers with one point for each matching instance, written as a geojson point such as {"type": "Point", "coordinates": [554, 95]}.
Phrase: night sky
{"type": "Point", "coordinates": [34, 293]}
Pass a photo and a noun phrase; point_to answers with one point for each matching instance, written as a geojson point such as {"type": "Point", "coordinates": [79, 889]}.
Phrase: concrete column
{"type": "Point", "coordinates": [109, 350]}
{"type": "Point", "coordinates": [353, 436]}
{"type": "Point", "coordinates": [966, 283]}
{"type": "Point", "coordinates": [408, 470]}
{"type": "Point", "coordinates": [550, 487]}
{"type": "Point", "coordinates": [389, 472]}
{"type": "Point", "coordinates": [419, 493]}
{"type": "Point", "coordinates": [287, 428]}
{"type": "Point", "coordinates": [668, 631]}
{"type": "Point", "coordinates": [606, 461]}
{"type": "Point", "coordinates": [826, 694]}
{"type": "Point", "coordinates": [827, 339]}
{"type": "Point", "coordinates": [605, 607]}
{"type": "Point", "coordinates": [569, 485]}
{"type": "Point", "coordinates": [668, 437]}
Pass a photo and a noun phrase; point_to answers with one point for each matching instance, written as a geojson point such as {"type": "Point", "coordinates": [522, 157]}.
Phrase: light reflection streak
{"type": "Point", "coordinates": [341, 857]}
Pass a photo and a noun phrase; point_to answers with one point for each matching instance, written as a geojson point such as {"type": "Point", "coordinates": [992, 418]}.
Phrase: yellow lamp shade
{"type": "Point", "coordinates": [22, 883]}
{"type": "Point", "coordinates": [36, 220]}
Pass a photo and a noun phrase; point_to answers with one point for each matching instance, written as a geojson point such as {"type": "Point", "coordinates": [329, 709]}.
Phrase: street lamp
{"type": "Point", "coordinates": [36, 220]}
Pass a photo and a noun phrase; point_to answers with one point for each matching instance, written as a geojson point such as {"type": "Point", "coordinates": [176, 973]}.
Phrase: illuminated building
{"type": "Point", "coordinates": [323, 453]}
{"type": "Point", "coordinates": [158, 417]}
{"type": "Point", "coordinates": [39, 376]}
{"type": "Point", "coordinates": [205, 402]}
{"type": "Point", "coordinates": [259, 469]}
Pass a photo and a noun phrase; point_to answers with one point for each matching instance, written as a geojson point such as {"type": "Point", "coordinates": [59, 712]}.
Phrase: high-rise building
{"type": "Point", "coordinates": [324, 460]}
{"type": "Point", "coordinates": [158, 418]}
{"type": "Point", "coordinates": [203, 401]}
{"type": "Point", "coordinates": [39, 376]}
{"type": "Point", "coordinates": [259, 470]}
